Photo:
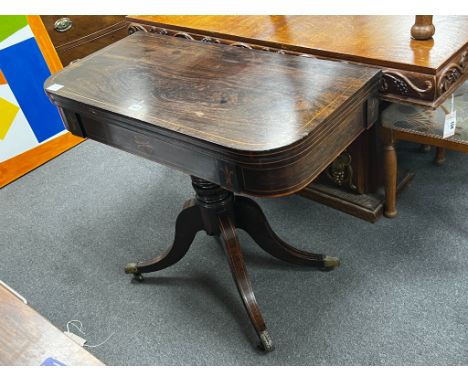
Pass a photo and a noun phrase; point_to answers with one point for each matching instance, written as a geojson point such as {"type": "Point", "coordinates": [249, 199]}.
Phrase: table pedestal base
{"type": "Point", "coordinates": [218, 212]}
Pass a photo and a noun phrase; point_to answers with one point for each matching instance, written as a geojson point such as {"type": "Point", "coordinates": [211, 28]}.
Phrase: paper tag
{"type": "Point", "coordinates": [55, 87]}
{"type": "Point", "coordinates": [450, 124]}
{"type": "Point", "coordinates": [135, 107]}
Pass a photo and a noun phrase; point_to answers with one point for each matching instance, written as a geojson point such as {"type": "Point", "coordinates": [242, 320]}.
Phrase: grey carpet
{"type": "Point", "coordinates": [399, 298]}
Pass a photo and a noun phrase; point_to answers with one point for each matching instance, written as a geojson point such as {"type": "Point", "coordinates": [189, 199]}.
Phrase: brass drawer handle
{"type": "Point", "coordinates": [63, 24]}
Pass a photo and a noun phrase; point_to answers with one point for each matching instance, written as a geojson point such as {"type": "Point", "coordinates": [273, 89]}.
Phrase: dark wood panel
{"type": "Point", "coordinates": [87, 35]}
{"type": "Point", "coordinates": [72, 52]}
{"type": "Point", "coordinates": [82, 26]}
{"type": "Point", "coordinates": [242, 99]}
{"type": "Point", "coordinates": [368, 206]}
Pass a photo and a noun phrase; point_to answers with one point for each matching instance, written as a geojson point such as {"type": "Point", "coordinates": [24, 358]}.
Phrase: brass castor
{"type": "Point", "coordinates": [330, 263]}
{"type": "Point", "coordinates": [266, 343]}
{"type": "Point", "coordinates": [131, 268]}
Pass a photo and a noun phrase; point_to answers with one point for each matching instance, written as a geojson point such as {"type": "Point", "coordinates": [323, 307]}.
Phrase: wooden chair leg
{"type": "Point", "coordinates": [241, 278]}
{"type": "Point", "coordinates": [439, 158]}
{"type": "Point", "coordinates": [390, 174]}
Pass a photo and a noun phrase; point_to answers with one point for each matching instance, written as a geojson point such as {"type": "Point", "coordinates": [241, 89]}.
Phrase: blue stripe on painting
{"type": "Point", "coordinates": [25, 70]}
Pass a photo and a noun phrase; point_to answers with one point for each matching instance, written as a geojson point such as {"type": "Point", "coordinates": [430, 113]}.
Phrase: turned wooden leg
{"type": "Point", "coordinates": [241, 278]}
{"type": "Point", "coordinates": [423, 28]}
{"type": "Point", "coordinates": [439, 158]}
{"type": "Point", "coordinates": [251, 219]}
{"type": "Point", "coordinates": [188, 223]}
{"type": "Point", "coordinates": [390, 174]}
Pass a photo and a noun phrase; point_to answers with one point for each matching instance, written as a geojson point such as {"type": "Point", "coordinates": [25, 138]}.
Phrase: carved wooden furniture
{"type": "Point", "coordinates": [420, 125]}
{"type": "Point", "coordinates": [28, 339]}
{"type": "Point", "coordinates": [417, 72]}
{"type": "Point", "coordinates": [421, 72]}
{"type": "Point", "coordinates": [75, 37]}
{"type": "Point", "coordinates": [236, 120]}
{"type": "Point", "coordinates": [423, 29]}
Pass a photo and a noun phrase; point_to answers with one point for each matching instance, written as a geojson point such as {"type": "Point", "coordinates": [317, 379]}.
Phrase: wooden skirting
{"type": "Point", "coordinates": [20, 165]}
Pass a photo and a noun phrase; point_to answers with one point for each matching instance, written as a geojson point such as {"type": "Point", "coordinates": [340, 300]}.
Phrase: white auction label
{"type": "Point", "coordinates": [450, 124]}
{"type": "Point", "coordinates": [55, 87]}
{"type": "Point", "coordinates": [135, 107]}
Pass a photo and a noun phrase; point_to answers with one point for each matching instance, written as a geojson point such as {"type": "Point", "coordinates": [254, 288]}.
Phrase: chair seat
{"type": "Point", "coordinates": [418, 122]}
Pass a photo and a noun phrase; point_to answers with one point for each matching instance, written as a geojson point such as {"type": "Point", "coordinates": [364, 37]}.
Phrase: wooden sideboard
{"type": "Point", "coordinates": [75, 37]}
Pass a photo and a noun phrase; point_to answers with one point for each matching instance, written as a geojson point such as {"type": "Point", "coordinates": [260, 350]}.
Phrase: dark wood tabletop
{"type": "Point", "coordinates": [415, 71]}
{"type": "Point", "coordinates": [271, 121]}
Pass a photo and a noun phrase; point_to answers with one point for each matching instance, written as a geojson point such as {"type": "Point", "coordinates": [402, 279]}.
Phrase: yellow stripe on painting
{"type": "Point", "coordinates": [45, 44]}
{"type": "Point", "coordinates": [7, 116]}
{"type": "Point", "coordinates": [3, 80]}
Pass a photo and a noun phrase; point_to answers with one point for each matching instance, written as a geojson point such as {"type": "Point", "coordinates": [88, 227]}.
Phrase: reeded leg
{"type": "Point", "coordinates": [188, 223]}
{"type": "Point", "coordinates": [217, 212]}
{"type": "Point", "coordinates": [440, 156]}
{"type": "Point", "coordinates": [390, 174]}
{"type": "Point", "coordinates": [250, 218]}
{"type": "Point", "coordinates": [241, 278]}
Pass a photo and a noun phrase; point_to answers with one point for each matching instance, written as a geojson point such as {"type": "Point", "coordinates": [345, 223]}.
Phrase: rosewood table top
{"type": "Point", "coordinates": [415, 71]}
{"type": "Point", "coordinates": [249, 120]}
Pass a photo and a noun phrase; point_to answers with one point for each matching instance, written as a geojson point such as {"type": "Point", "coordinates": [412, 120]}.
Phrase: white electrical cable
{"type": "Point", "coordinates": [80, 329]}
{"type": "Point", "coordinates": [102, 343]}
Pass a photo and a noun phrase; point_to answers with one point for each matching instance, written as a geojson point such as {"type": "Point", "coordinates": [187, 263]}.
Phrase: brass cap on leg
{"type": "Point", "coordinates": [266, 342]}
{"type": "Point", "coordinates": [330, 262]}
{"type": "Point", "coordinates": [131, 268]}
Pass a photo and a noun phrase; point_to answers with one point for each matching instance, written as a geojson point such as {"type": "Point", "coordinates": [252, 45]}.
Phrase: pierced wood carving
{"type": "Point", "coordinates": [402, 83]}
{"type": "Point", "coordinates": [133, 27]}
{"type": "Point", "coordinates": [183, 35]}
{"type": "Point", "coordinates": [452, 73]}
{"type": "Point", "coordinates": [341, 171]}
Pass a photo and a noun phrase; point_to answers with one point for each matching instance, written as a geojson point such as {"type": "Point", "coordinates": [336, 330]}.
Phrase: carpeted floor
{"type": "Point", "coordinates": [399, 298]}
